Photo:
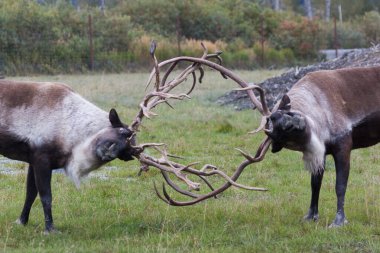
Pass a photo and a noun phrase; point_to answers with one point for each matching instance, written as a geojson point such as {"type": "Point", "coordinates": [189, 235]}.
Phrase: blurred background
{"type": "Point", "coordinates": [75, 36]}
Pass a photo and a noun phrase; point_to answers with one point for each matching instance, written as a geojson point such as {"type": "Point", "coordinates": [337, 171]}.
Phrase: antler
{"type": "Point", "coordinates": [260, 154]}
{"type": "Point", "coordinates": [161, 94]}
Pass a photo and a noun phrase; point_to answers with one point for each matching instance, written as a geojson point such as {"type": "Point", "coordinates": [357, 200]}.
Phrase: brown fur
{"type": "Point", "coordinates": [353, 92]}
{"type": "Point", "coordinates": [14, 94]}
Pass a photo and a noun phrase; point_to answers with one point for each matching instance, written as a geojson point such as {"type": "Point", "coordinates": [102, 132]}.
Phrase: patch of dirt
{"type": "Point", "coordinates": [277, 86]}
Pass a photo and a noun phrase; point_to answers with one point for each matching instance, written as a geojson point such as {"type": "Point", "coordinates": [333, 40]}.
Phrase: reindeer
{"type": "Point", "coordinates": [49, 126]}
{"type": "Point", "coordinates": [325, 113]}
{"type": "Point", "coordinates": [328, 113]}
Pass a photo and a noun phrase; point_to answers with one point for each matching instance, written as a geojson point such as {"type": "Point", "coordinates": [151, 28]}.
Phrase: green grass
{"type": "Point", "coordinates": [123, 214]}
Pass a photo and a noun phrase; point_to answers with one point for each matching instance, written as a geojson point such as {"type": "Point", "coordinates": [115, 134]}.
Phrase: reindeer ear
{"type": "Point", "coordinates": [285, 103]}
{"type": "Point", "coordinates": [114, 119]}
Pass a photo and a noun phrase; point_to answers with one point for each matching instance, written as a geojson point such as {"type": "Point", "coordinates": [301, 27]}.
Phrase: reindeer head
{"type": "Point", "coordinates": [287, 128]}
{"type": "Point", "coordinates": [116, 141]}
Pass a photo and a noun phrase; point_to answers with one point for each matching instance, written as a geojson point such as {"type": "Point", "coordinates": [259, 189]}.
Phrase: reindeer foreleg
{"type": "Point", "coordinates": [316, 182]}
{"type": "Point", "coordinates": [31, 194]}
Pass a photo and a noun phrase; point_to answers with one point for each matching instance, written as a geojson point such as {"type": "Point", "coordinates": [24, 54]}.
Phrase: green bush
{"type": "Point", "coordinates": [54, 37]}
{"type": "Point", "coordinates": [44, 39]}
{"type": "Point", "coordinates": [300, 35]}
{"type": "Point", "coordinates": [370, 25]}
{"type": "Point", "coordinates": [273, 57]}
{"type": "Point", "coordinates": [348, 35]}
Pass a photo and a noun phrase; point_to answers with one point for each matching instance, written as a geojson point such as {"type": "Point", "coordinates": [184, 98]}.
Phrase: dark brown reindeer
{"type": "Point", "coordinates": [325, 113]}
{"type": "Point", "coordinates": [49, 126]}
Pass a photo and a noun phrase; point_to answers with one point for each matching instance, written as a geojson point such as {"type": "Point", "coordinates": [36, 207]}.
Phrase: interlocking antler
{"type": "Point", "coordinates": [161, 94]}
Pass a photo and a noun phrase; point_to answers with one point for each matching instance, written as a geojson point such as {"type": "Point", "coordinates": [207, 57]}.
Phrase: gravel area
{"type": "Point", "coordinates": [277, 86]}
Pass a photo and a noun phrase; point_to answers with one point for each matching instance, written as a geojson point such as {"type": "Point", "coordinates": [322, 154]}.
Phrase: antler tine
{"type": "Point", "coordinates": [153, 47]}
{"type": "Point", "coordinates": [205, 51]}
{"type": "Point", "coordinates": [178, 189]}
{"type": "Point", "coordinates": [259, 156]}
{"type": "Point", "coordinates": [167, 73]}
{"type": "Point", "coordinates": [150, 161]}
{"type": "Point", "coordinates": [261, 93]}
{"type": "Point", "coordinates": [194, 82]}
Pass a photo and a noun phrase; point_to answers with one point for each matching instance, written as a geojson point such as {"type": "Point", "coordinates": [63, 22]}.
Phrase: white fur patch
{"type": "Point", "coordinates": [82, 160]}
{"type": "Point", "coordinates": [314, 156]}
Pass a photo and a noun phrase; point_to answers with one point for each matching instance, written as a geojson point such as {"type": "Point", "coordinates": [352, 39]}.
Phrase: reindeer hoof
{"type": "Point", "coordinates": [311, 216]}
{"type": "Point", "coordinates": [337, 224]}
{"type": "Point", "coordinates": [340, 220]}
{"type": "Point", "coordinates": [308, 218]}
{"type": "Point", "coordinates": [52, 231]}
{"type": "Point", "coordinates": [19, 222]}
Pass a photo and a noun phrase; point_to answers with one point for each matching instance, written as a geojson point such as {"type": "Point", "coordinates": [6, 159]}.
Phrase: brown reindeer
{"type": "Point", "coordinates": [326, 112]}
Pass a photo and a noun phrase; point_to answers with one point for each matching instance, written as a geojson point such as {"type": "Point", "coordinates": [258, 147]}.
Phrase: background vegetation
{"type": "Point", "coordinates": [117, 211]}
{"type": "Point", "coordinates": [52, 36]}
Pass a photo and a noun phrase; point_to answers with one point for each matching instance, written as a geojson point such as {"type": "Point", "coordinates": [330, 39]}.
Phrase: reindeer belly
{"type": "Point", "coordinates": [367, 132]}
{"type": "Point", "coordinates": [14, 148]}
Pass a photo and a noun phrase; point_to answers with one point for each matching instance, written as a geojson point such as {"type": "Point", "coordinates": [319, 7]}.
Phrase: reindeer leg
{"type": "Point", "coordinates": [42, 174]}
{"type": "Point", "coordinates": [342, 167]}
{"type": "Point", "coordinates": [316, 182]}
{"type": "Point", "coordinates": [31, 194]}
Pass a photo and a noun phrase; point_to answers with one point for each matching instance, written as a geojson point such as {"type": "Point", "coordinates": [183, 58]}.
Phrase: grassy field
{"type": "Point", "coordinates": [117, 211]}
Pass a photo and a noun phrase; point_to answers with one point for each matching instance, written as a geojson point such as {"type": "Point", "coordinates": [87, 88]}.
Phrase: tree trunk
{"type": "Point", "coordinates": [276, 4]}
{"type": "Point", "coordinates": [178, 33]}
{"type": "Point", "coordinates": [102, 6]}
{"type": "Point", "coordinates": [327, 10]}
{"type": "Point", "coordinates": [74, 3]}
{"type": "Point", "coordinates": [308, 9]}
